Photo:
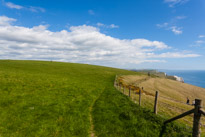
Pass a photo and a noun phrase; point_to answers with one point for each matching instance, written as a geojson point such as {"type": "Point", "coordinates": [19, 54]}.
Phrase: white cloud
{"type": "Point", "coordinates": [13, 6]}
{"type": "Point", "coordinates": [173, 3]}
{"type": "Point", "coordinates": [176, 30]}
{"type": "Point", "coordinates": [111, 26]}
{"type": "Point", "coordinates": [163, 25]}
{"type": "Point", "coordinates": [82, 44]}
{"type": "Point", "coordinates": [36, 9]}
{"type": "Point", "coordinates": [100, 24]}
{"type": "Point", "coordinates": [171, 25]}
{"type": "Point", "coordinates": [180, 17]}
{"type": "Point", "coordinates": [147, 43]}
{"type": "Point", "coordinates": [199, 41]}
{"type": "Point", "coordinates": [4, 21]}
{"type": "Point", "coordinates": [91, 12]}
{"type": "Point", "coordinates": [201, 36]}
{"type": "Point", "coordinates": [19, 7]}
{"type": "Point", "coordinates": [172, 55]}
{"type": "Point", "coordinates": [147, 61]}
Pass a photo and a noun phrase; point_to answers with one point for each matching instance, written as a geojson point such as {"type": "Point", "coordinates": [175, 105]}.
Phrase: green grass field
{"type": "Point", "coordinates": [40, 98]}
{"type": "Point", "coordinates": [172, 96]}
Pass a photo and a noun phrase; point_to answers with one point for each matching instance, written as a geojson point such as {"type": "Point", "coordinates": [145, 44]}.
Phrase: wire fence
{"type": "Point", "coordinates": [132, 91]}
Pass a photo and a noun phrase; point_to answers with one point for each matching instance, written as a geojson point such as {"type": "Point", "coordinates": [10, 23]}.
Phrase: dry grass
{"type": "Point", "coordinates": [172, 95]}
{"type": "Point", "coordinates": [173, 90]}
{"type": "Point", "coordinates": [133, 79]}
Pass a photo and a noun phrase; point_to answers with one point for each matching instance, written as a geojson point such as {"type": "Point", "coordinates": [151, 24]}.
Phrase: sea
{"type": "Point", "coordinates": [193, 77]}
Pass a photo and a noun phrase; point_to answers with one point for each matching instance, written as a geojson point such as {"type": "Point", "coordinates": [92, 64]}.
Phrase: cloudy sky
{"type": "Point", "coordinates": [142, 34]}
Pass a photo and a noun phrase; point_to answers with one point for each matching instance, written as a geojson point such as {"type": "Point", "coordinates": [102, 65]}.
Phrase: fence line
{"type": "Point", "coordinates": [155, 102]}
{"type": "Point", "coordinates": [140, 94]}
{"type": "Point", "coordinates": [118, 86]}
{"type": "Point", "coordinates": [197, 111]}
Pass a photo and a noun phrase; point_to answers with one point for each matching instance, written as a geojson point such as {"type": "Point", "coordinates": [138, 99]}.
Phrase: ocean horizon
{"type": "Point", "coordinates": [193, 77]}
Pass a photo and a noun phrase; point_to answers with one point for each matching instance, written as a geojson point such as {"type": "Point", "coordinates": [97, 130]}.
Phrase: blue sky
{"type": "Point", "coordinates": [158, 34]}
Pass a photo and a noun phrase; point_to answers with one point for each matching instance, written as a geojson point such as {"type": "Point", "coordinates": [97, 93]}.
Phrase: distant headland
{"type": "Point", "coordinates": [156, 73]}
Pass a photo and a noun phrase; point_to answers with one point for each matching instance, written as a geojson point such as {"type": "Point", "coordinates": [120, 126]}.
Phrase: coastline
{"type": "Point", "coordinates": [192, 77]}
{"type": "Point", "coordinates": [180, 79]}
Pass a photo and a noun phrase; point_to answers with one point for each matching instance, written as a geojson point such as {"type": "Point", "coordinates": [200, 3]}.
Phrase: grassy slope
{"type": "Point", "coordinates": [172, 95]}
{"type": "Point", "coordinates": [116, 116]}
{"type": "Point", "coordinates": [55, 99]}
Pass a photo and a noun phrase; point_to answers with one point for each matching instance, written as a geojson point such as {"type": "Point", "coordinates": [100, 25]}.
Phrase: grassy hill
{"type": "Point", "coordinates": [172, 96]}
{"type": "Point", "coordinates": [40, 98]}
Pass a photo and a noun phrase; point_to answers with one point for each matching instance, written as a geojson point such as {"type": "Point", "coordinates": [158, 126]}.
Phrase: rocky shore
{"type": "Point", "coordinates": [180, 79]}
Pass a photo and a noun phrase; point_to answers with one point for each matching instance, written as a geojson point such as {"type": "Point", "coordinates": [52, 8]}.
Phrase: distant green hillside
{"type": "Point", "coordinates": [40, 98]}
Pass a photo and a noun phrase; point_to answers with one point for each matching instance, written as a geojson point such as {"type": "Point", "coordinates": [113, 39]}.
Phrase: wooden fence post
{"type": "Point", "coordinates": [155, 102]}
{"type": "Point", "coordinates": [140, 97]}
{"type": "Point", "coordinates": [197, 118]}
{"type": "Point", "coordinates": [129, 91]}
